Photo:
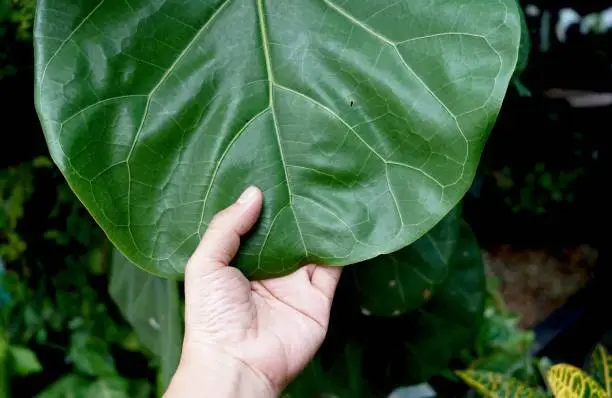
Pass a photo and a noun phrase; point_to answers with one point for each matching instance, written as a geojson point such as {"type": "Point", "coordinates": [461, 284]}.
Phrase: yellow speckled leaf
{"type": "Point", "coordinates": [601, 368]}
{"type": "Point", "coordinates": [494, 385]}
{"type": "Point", "coordinates": [567, 381]}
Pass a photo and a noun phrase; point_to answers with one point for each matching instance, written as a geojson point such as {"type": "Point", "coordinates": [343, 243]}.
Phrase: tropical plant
{"type": "Point", "coordinates": [562, 380]}
{"type": "Point", "coordinates": [362, 122]}
{"type": "Point", "coordinates": [501, 346]}
{"type": "Point", "coordinates": [56, 319]}
{"type": "Point", "coordinates": [363, 130]}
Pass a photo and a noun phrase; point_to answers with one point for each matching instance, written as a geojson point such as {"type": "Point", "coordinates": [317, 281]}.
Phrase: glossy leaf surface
{"type": "Point", "coordinates": [393, 284]}
{"type": "Point", "coordinates": [363, 121]}
{"type": "Point", "coordinates": [152, 306]}
{"type": "Point", "coordinates": [567, 381]}
{"type": "Point", "coordinates": [495, 385]}
{"type": "Point", "coordinates": [600, 367]}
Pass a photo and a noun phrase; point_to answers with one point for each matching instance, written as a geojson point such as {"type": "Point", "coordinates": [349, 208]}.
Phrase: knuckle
{"type": "Point", "coordinates": [218, 220]}
{"type": "Point", "coordinates": [221, 257]}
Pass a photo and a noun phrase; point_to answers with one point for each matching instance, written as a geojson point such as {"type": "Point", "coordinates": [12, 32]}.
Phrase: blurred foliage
{"type": "Point", "coordinates": [545, 157]}
{"type": "Point", "coordinates": [54, 293]}
{"type": "Point", "coordinates": [60, 333]}
{"type": "Point", "coordinates": [600, 367]}
{"type": "Point", "coordinates": [153, 307]}
{"type": "Point", "coordinates": [21, 14]}
{"type": "Point", "coordinates": [501, 346]}
{"type": "Point", "coordinates": [495, 385]}
{"type": "Point", "coordinates": [561, 380]}
{"type": "Point", "coordinates": [16, 19]}
{"type": "Point", "coordinates": [567, 381]}
{"type": "Point", "coordinates": [538, 189]}
{"type": "Point", "coordinates": [15, 189]}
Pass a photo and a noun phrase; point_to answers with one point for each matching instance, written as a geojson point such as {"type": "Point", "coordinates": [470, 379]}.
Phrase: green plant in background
{"type": "Point", "coordinates": [21, 13]}
{"type": "Point", "coordinates": [562, 380]}
{"type": "Point", "coordinates": [50, 297]}
{"type": "Point", "coordinates": [15, 16]}
{"type": "Point", "coordinates": [538, 189]}
{"type": "Point", "coordinates": [500, 345]}
{"type": "Point", "coordinates": [15, 189]}
{"type": "Point", "coordinates": [385, 353]}
{"type": "Point", "coordinates": [152, 306]}
{"type": "Point", "coordinates": [15, 360]}
{"type": "Point", "coordinates": [363, 130]}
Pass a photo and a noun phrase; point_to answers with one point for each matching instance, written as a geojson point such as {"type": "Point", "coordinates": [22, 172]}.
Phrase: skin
{"type": "Point", "coordinates": [243, 338]}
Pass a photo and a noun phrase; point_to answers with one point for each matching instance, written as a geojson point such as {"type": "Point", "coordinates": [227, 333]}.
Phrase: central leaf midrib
{"type": "Point", "coordinates": [266, 48]}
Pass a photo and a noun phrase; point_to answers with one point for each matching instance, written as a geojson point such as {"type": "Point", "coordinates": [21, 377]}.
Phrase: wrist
{"type": "Point", "coordinates": [210, 371]}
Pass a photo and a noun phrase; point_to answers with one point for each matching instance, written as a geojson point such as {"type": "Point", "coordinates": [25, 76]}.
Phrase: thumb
{"type": "Point", "coordinates": [222, 238]}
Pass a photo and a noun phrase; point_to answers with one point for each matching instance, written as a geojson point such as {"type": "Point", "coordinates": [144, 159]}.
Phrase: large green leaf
{"type": "Point", "coordinates": [362, 121]}
{"type": "Point", "coordinates": [392, 284]}
{"type": "Point", "coordinates": [152, 306]}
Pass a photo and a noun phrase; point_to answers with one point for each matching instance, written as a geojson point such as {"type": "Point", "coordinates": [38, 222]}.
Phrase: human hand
{"type": "Point", "coordinates": [246, 338]}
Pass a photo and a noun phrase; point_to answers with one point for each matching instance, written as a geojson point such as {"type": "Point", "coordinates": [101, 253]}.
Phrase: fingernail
{"type": "Point", "coordinates": [248, 196]}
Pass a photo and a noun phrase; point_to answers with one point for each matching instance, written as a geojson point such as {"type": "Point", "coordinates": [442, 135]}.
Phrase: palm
{"type": "Point", "coordinates": [276, 325]}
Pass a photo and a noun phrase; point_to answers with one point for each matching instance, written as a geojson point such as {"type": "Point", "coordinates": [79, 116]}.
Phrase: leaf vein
{"type": "Point", "coordinates": [266, 48]}
{"type": "Point", "coordinates": [103, 101]}
{"type": "Point", "coordinates": [221, 159]}
{"type": "Point", "coordinates": [393, 44]}
{"type": "Point", "coordinates": [65, 41]}
{"type": "Point", "coordinates": [148, 104]}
